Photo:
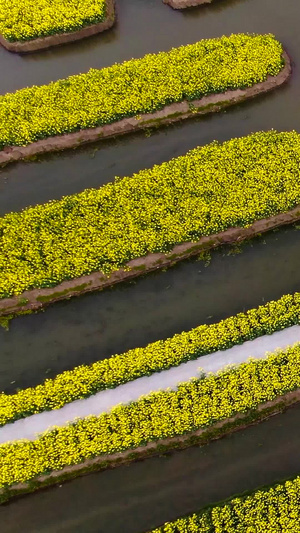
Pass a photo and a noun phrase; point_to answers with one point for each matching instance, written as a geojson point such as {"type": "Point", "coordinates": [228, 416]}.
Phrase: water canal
{"type": "Point", "coordinates": [95, 326]}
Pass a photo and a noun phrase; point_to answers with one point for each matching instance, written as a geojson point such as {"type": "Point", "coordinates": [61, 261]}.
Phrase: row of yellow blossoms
{"type": "Point", "coordinates": [39, 18]}
{"type": "Point", "coordinates": [272, 510]}
{"type": "Point", "coordinates": [196, 404]}
{"type": "Point", "coordinates": [210, 189]}
{"type": "Point", "coordinates": [86, 380]}
{"type": "Point", "coordinates": [137, 86]}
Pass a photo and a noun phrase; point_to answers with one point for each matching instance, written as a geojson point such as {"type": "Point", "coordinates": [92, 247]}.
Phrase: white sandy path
{"type": "Point", "coordinates": [103, 401]}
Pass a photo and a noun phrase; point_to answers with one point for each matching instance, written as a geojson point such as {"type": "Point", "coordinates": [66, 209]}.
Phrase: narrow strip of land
{"type": "Point", "coordinates": [105, 400]}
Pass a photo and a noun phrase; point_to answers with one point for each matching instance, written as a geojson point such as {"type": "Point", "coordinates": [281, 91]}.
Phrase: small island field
{"type": "Point", "coordinates": [219, 193]}
{"type": "Point", "coordinates": [139, 94]}
{"type": "Point", "coordinates": [26, 30]}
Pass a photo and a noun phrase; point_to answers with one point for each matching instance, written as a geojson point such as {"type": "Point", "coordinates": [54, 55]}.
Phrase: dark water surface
{"type": "Point", "coordinates": [138, 497]}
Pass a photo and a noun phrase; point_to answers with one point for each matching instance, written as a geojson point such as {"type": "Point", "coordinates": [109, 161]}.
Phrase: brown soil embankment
{"type": "Point", "coordinates": [41, 43]}
{"type": "Point", "coordinates": [183, 4]}
{"type": "Point", "coordinates": [37, 298]}
{"type": "Point", "coordinates": [167, 115]}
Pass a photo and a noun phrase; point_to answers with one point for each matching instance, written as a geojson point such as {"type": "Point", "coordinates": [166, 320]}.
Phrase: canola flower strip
{"type": "Point", "coordinates": [196, 404]}
{"type": "Point", "coordinates": [138, 86]}
{"type": "Point", "coordinates": [42, 18]}
{"type": "Point", "coordinates": [85, 380]}
{"type": "Point", "coordinates": [44, 42]}
{"type": "Point", "coordinates": [209, 190]}
{"type": "Point", "coordinates": [272, 510]}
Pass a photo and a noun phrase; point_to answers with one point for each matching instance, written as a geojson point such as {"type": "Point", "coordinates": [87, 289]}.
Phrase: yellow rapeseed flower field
{"type": "Point", "coordinates": [204, 192]}
{"type": "Point", "coordinates": [196, 404]}
{"type": "Point", "coordinates": [85, 380]}
{"type": "Point", "coordinates": [137, 86]}
{"type": "Point", "coordinates": [272, 510]}
{"type": "Point", "coordinates": [30, 19]}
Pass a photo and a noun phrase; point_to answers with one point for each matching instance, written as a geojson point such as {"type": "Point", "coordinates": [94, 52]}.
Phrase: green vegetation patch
{"type": "Point", "coordinates": [276, 509]}
{"type": "Point", "coordinates": [30, 19]}
{"type": "Point", "coordinates": [56, 295]}
{"type": "Point", "coordinates": [137, 86]}
{"type": "Point", "coordinates": [208, 190]}
{"type": "Point", "coordinates": [196, 404]}
{"type": "Point", "coordinates": [86, 380]}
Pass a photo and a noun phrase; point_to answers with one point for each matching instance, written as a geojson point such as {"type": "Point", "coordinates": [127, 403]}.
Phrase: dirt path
{"type": "Point", "coordinates": [104, 401]}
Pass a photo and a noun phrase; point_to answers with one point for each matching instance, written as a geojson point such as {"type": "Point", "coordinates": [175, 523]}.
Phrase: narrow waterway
{"type": "Point", "coordinates": [139, 497]}
{"type": "Point", "coordinates": [95, 326]}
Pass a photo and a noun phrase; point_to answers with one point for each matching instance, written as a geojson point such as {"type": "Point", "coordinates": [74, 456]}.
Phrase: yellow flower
{"type": "Point", "coordinates": [195, 404]}
{"type": "Point", "coordinates": [39, 18]}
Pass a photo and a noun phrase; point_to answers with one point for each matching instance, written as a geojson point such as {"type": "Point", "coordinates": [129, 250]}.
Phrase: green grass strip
{"type": "Point", "coordinates": [137, 86]}
{"type": "Point", "coordinates": [206, 191]}
{"type": "Point", "coordinates": [275, 509]}
{"type": "Point", "coordinates": [196, 404]}
{"type": "Point", "coordinates": [41, 18]}
{"type": "Point", "coordinates": [86, 380]}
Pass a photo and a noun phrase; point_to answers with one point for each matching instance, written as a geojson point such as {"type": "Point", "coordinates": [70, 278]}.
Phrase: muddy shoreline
{"type": "Point", "coordinates": [42, 43]}
{"type": "Point", "coordinates": [167, 115]}
{"type": "Point", "coordinates": [35, 299]}
{"type": "Point", "coordinates": [199, 437]}
{"type": "Point", "coordinates": [183, 4]}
